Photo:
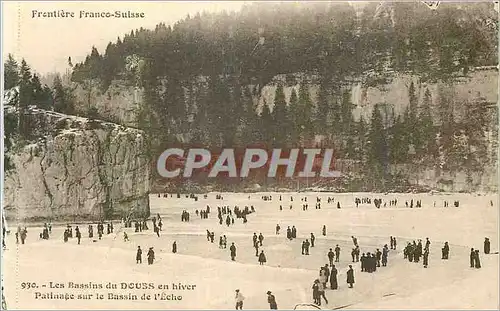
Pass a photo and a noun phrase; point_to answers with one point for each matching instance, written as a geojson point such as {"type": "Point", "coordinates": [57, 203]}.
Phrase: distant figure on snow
{"type": "Point", "coordinates": [232, 248]}
{"type": "Point", "coordinates": [445, 251]}
{"type": "Point", "coordinates": [333, 278]}
{"type": "Point", "coordinates": [138, 257]}
{"type": "Point", "coordinates": [239, 300]}
{"type": "Point", "coordinates": [486, 245]}
{"type": "Point", "coordinates": [151, 256]}
{"type": "Point", "coordinates": [272, 301]}
{"type": "Point", "coordinates": [350, 276]}
{"type": "Point", "coordinates": [262, 258]}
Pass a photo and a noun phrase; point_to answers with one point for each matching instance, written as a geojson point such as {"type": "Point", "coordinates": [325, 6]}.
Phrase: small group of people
{"type": "Point", "coordinates": [21, 233]}
{"type": "Point", "coordinates": [185, 216]}
{"type": "Point", "coordinates": [150, 255]}
{"type": "Point", "coordinates": [475, 262]}
{"type": "Point", "coordinates": [68, 233]}
{"type": "Point", "coordinates": [44, 235]}
{"type": "Point", "coordinates": [334, 255]}
{"type": "Point", "coordinates": [291, 233]}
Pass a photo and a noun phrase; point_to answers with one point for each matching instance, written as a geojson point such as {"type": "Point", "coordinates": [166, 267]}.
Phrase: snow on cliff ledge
{"type": "Point", "coordinates": [76, 168]}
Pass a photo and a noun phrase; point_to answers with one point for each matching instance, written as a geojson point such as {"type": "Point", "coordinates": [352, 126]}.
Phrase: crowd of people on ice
{"type": "Point", "coordinates": [328, 274]}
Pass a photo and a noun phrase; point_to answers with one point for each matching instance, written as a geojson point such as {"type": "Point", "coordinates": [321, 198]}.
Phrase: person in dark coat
{"type": "Point", "coordinates": [151, 256]}
{"type": "Point", "coordinates": [331, 256]}
{"type": "Point", "coordinates": [363, 262]}
{"type": "Point", "coordinates": [350, 276]}
{"type": "Point", "coordinates": [333, 278]}
{"type": "Point", "coordinates": [324, 230]}
{"type": "Point", "coordinates": [78, 234]}
{"type": "Point", "coordinates": [385, 253]}
{"type": "Point", "coordinates": [289, 233]}
{"type": "Point", "coordinates": [262, 258]}
{"type": "Point", "coordinates": [426, 258]}
{"type": "Point", "coordinates": [312, 239]}
{"type": "Point", "coordinates": [445, 251]}
{"type": "Point", "coordinates": [476, 258]}
{"type": "Point", "coordinates": [327, 274]}
{"type": "Point", "coordinates": [272, 301]}
{"type": "Point", "coordinates": [261, 238]}
{"type": "Point", "coordinates": [486, 245]}
{"type": "Point", "coordinates": [315, 288]}
{"type": "Point", "coordinates": [91, 231]}
{"type": "Point", "coordinates": [337, 253]}
{"type": "Point", "coordinates": [306, 247]}
{"type": "Point", "coordinates": [378, 254]}
{"type": "Point", "coordinates": [321, 293]}
{"type": "Point", "coordinates": [232, 249]}
{"type": "Point", "coordinates": [472, 258]}
{"type": "Point", "coordinates": [138, 257]}
{"type": "Point", "coordinates": [174, 247]}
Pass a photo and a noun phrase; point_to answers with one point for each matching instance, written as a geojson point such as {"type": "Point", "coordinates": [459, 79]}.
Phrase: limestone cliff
{"type": "Point", "coordinates": [121, 102]}
{"type": "Point", "coordinates": [76, 168]}
{"type": "Point", "coordinates": [388, 89]}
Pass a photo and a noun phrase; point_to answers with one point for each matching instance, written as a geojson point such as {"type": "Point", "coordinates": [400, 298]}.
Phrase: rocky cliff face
{"type": "Point", "coordinates": [389, 90]}
{"type": "Point", "coordinates": [365, 94]}
{"type": "Point", "coordinates": [121, 103]}
{"type": "Point", "coordinates": [78, 169]}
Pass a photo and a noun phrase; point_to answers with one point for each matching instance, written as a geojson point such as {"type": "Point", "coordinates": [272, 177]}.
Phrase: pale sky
{"type": "Point", "coordinates": [46, 43]}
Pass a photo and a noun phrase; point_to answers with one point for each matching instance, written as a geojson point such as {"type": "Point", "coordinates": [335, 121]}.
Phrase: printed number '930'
{"type": "Point", "coordinates": [25, 285]}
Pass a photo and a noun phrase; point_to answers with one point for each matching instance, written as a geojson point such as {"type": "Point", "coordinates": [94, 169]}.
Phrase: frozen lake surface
{"type": "Point", "coordinates": [444, 284]}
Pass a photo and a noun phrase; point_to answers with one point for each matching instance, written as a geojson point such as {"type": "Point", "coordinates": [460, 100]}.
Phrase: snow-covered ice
{"type": "Point", "coordinates": [447, 284]}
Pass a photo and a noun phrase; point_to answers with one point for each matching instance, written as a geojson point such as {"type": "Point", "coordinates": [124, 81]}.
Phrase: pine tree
{"type": "Point", "coordinates": [426, 129]}
{"type": "Point", "coordinates": [42, 96]}
{"type": "Point", "coordinates": [266, 126]}
{"type": "Point", "coordinates": [362, 133]}
{"type": "Point", "coordinates": [248, 125]}
{"type": "Point", "coordinates": [398, 147]}
{"type": "Point", "coordinates": [25, 98]}
{"type": "Point", "coordinates": [378, 152]}
{"type": "Point", "coordinates": [304, 116]}
{"type": "Point", "coordinates": [62, 98]}
{"type": "Point", "coordinates": [280, 116]}
{"type": "Point", "coordinates": [11, 73]}
{"type": "Point", "coordinates": [346, 113]}
{"type": "Point", "coordinates": [322, 111]}
{"type": "Point", "coordinates": [294, 118]}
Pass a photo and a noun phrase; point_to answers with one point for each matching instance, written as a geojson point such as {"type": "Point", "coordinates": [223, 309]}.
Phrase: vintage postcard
{"type": "Point", "coordinates": [250, 155]}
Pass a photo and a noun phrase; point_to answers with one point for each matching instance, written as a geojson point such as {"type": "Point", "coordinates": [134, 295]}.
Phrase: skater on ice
{"type": "Point", "coordinates": [272, 301]}
{"type": "Point", "coordinates": [445, 251]}
{"type": "Point", "coordinates": [350, 276]}
{"type": "Point", "coordinates": [262, 258]}
{"type": "Point", "coordinates": [239, 300]}
{"type": "Point", "coordinates": [138, 256]}
{"type": "Point", "coordinates": [333, 278]}
{"type": "Point", "coordinates": [486, 245]}
{"type": "Point", "coordinates": [151, 256]}
{"type": "Point", "coordinates": [331, 256]}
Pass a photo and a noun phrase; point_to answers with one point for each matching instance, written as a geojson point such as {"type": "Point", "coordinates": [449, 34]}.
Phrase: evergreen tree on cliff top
{"type": "Point", "coordinates": [11, 73]}
{"type": "Point", "coordinates": [280, 116]}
